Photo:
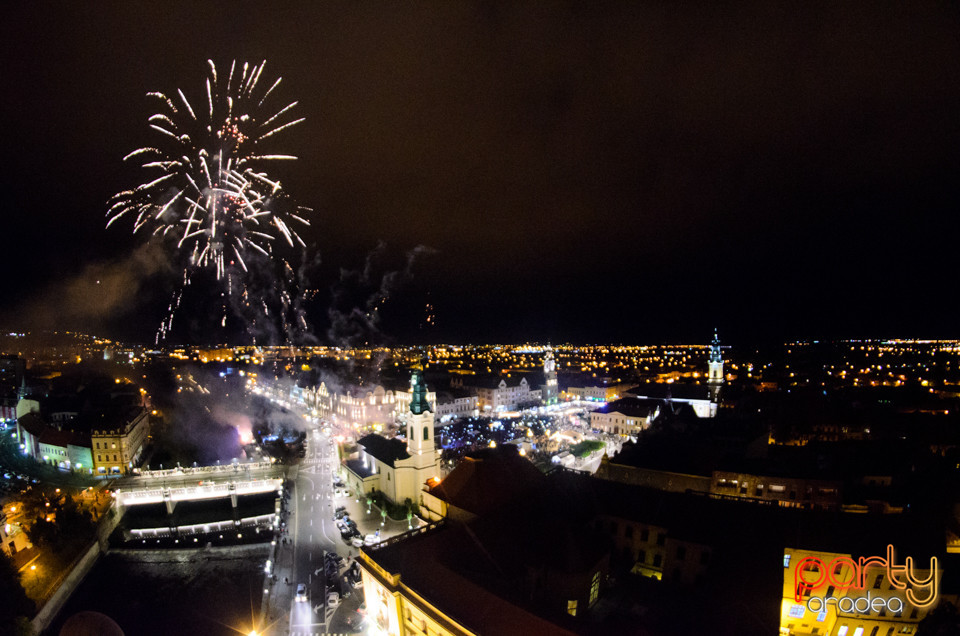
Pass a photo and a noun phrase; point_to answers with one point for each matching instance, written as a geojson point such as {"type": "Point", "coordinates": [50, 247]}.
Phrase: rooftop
{"type": "Point", "coordinates": [385, 450]}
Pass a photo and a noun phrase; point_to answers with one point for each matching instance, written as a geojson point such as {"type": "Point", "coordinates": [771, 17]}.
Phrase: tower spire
{"type": "Point", "coordinates": [418, 403]}
{"type": "Point", "coordinates": [715, 368]}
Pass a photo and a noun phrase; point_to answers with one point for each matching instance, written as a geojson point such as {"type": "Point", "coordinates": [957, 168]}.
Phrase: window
{"type": "Point", "coordinates": [644, 535]}
{"type": "Point", "coordinates": [786, 560]}
{"type": "Point", "coordinates": [642, 556]}
{"type": "Point", "coordinates": [877, 582]}
{"type": "Point", "coordinates": [759, 491]}
{"type": "Point", "coordinates": [657, 560]}
{"type": "Point", "coordinates": [594, 588]}
{"type": "Point", "coordinates": [572, 608]}
{"type": "Point", "coordinates": [873, 632]}
{"type": "Point", "coordinates": [99, 458]}
{"type": "Point", "coordinates": [661, 538]}
{"type": "Point", "coordinates": [858, 631]}
{"type": "Point", "coordinates": [426, 434]}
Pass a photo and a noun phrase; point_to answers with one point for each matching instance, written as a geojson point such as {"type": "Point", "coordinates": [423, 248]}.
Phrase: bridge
{"type": "Point", "coordinates": [198, 483]}
{"type": "Point", "coordinates": [203, 491]}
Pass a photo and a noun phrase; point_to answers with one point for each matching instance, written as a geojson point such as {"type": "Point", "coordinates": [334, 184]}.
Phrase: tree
{"type": "Point", "coordinates": [43, 533]}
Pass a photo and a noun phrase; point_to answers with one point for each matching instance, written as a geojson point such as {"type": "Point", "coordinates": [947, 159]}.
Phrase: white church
{"type": "Point", "coordinates": [396, 468]}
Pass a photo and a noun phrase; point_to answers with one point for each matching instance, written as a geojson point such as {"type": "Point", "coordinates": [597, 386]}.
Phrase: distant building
{"type": "Point", "coordinates": [370, 409]}
{"type": "Point", "coordinates": [696, 395]}
{"type": "Point", "coordinates": [626, 416]}
{"type": "Point", "coordinates": [12, 380]}
{"type": "Point", "coordinates": [500, 393]}
{"type": "Point", "coordinates": [786, 491]}
{"type": "Point", "coordinates": [64, 449]}
{"type": "Point", "coordinates": [117, 446]}
{"type": "Point", "coordinates": [597, 391]}
{"type": "Point", "coordinates": [550, 391]}
{"type": "Point", "coordinates": [456, 403]}
{"type": "Point", "coordinates": [715, 369]}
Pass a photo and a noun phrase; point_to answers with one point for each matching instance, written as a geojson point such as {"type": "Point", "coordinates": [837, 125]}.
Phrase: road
{"type": "Point", "coordinates": [313, 531]}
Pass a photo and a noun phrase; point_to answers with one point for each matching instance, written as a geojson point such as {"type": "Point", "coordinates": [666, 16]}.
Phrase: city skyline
{"type": "Point", "coordinates": [611, 174]}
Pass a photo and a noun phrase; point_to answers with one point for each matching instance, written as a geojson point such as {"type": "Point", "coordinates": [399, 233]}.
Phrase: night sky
{"type": "Point", "coordinates": [586, 171]}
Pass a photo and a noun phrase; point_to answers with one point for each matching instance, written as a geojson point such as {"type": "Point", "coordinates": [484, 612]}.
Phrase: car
{"type": "Point", "coordinates": [371, 539]}
{"type": "Point", "coordinates": [333, 558]}
{"type": "Point", "coordinates": [333, 599]}
{"type": "Point", "coordinates": [346, 535]}
{"type": "Point", "coordinates": [357, 541]}
{"type": "Point", "coordinates": [356, 583]}
{"type": "Point", "coordinates": [301, 593]}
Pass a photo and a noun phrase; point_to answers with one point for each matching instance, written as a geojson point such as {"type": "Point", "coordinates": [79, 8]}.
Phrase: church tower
{"type": "Point", "coordinates": [549, 393]}
{"type": "Point", "coordinates": [420, 442]}
{"type": "Point", "coordinates": [715, 369]}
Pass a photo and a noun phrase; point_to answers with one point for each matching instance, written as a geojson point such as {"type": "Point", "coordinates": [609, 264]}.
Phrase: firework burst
{"type": "Point", "coordinates": [209, 195]}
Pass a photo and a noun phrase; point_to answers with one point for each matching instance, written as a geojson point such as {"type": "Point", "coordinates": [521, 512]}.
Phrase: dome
{"type": "Point", "coordinates": [90, 624]}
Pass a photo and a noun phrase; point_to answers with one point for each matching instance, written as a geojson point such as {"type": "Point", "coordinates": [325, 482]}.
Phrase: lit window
{"type": "Point", "coordinates": [594, 588]}
{"type": "Point", "coordinates": [572, 608]}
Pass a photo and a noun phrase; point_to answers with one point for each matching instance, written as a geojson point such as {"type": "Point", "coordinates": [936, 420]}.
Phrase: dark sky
{"type": "Point", "coordinates": [587, 171]}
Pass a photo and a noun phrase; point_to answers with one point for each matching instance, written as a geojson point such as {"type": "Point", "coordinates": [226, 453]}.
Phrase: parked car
{"type": "Point", "coordinates": [371, 539]}
{"type": "Point", "coordinates": [333, 599]}
{"type": "Point", "coordinates": [357, 541]}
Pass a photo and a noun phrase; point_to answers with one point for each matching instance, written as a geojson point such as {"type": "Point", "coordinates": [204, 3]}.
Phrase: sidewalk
{"type": "Point", "coordinates": [370, 522]}
{"type": "Point", "coordinates": [278, 584]}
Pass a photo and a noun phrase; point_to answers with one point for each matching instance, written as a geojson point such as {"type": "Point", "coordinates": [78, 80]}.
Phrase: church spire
{"type": "Point", "coordinates": [715, 368]}
{"type": "Point", "coordinates": [715, 355]}
{"type": "Point", "coordinates": [418, 404]}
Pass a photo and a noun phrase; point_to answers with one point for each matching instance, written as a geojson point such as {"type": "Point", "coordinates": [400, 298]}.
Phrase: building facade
{"type": "Point", "coordinates": [117, 450]}
{"type": "Point", "coordinates": [626, 416]}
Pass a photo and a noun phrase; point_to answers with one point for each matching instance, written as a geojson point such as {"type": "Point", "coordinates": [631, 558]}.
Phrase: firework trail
{"type": "Point", "coordinates": [209, 195]}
